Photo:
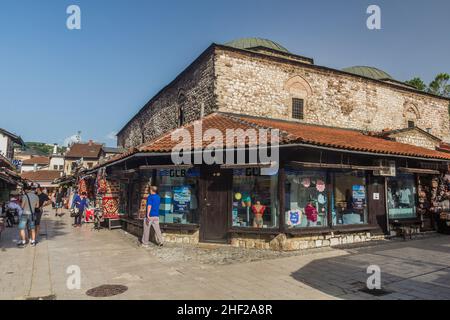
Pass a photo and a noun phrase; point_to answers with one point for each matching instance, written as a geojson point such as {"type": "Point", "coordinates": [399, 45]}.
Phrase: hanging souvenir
{"type": "Point", "coordinates": [306, 182]}
{"type": "Point", "coordinates": [321, 198]}
{"type": "Point", "coordinates": [320, 185]}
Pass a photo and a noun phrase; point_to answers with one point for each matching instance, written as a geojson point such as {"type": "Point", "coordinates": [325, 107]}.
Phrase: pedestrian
{"type": "Point", "coordinates": [13, 208]}
{"type": "Point", "coordinates": [44, 200]}
{"type": "Point", "coordinates": [80, 203]}
{"type": "Point", "coordinates": [152, 218]}
{"type": "Point", "coordinates": [30, 202]}
{"type": "Point", "coordinates": [59, 196]}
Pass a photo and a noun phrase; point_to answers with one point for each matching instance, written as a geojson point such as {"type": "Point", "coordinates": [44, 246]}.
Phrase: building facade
{"type": "Point", "coordinates": [361, 154]}
{"type": "Point", "coordinates": [8, 142]}
{"type": "Point", "coordinates": [256, 77]}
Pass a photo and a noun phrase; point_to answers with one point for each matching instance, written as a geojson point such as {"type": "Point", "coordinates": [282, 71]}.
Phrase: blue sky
{"type": "Point", "coordinates": [55, 81]}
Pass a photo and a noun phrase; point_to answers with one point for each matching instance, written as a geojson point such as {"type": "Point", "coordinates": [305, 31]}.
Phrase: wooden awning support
{"type": "Point", "coordinates": [166, 166]}
{"type": "Point", "coordinates": [335, 166]}
{"type": "Point", "coordinates": [246, 165]}
{"type": "Point", "coordinates": [418, 170]}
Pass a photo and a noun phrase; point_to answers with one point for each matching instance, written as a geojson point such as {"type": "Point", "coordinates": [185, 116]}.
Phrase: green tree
{"type": "Point", "coordinates": [417, 83]}
{"type": "Point", "coordinates": [440, 85]}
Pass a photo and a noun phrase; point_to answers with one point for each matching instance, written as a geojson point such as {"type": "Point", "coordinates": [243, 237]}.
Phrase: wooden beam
{"type": "Point", "coordinates": [246, 165]}
{"type": "Point", "coordinates": [166, 166]}
{"type": "Point", "coordinates": [417, 170]}
{"type": "Point", "coordinates": [335, 166]}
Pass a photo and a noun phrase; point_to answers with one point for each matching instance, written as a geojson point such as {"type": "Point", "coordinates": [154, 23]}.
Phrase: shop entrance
{"type": "Point", "coordinates": [377, 202]}
{"type": "Point", "coordinates": [214, 222]}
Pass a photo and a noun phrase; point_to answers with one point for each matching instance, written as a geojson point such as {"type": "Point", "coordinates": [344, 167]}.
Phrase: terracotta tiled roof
{"type": "Point", "coordinates": [36, 160]}
{"type": "Point", "coordinates": [292, 133]}
{"type": "Point", "coordinates": [85, 150]}
{"type": "Point", "coordinates": [41, 175]}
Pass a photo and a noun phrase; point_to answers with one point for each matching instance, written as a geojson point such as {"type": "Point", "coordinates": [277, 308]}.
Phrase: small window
{"type": "Point", "coordinates": [411, 124]}
{"type": "Point", "coordinates": [297, 108]}
{"type": "Point", "coordinates": [90, 164]}
{"type": "Point", "coordinates": [55, 167]}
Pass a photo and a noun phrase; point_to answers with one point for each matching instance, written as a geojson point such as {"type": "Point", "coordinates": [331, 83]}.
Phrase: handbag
{"type": "Point", "coordinates": [74, 212]}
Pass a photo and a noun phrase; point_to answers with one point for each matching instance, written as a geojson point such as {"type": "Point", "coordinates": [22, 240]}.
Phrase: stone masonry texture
{"type": "Point", "coordinates": [237, 81]}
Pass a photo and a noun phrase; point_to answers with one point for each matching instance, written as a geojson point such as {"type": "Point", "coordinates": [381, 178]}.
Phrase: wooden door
{"type": "Point", "coordinates": [216, 190]}
{"type": "Point", "coordinates": [377, 203]}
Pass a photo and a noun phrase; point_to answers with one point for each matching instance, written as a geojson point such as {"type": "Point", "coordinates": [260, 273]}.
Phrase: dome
{"type": "Point", "coordinates": [248, 43]}
{"type": "Point", "coordinates": [369, 72]}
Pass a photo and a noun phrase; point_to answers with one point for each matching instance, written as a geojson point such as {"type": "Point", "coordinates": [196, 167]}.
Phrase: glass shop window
{"type": "Point", "coordinates": [178, 189]}
{"type": "Point", "coordinates": [401, 194]}
{"type": "Point", "coordinates": [255, 199]}
{"type": "Point", "coordinates": [306, 199]}
{"type": "Point", "coordinates": [349, 198]}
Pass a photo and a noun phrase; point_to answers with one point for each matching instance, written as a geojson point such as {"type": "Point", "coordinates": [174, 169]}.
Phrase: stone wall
{"type": "Point", "coordinates": [416, 138]}
{"type": "Point", "coordinates": [193, 90]}
{"type": "Point", "coordinates": [135, 228]}
{"type": "Point", "coordinates": [290, 243]}
{"type": "Point", "coordinates": [247, 83]}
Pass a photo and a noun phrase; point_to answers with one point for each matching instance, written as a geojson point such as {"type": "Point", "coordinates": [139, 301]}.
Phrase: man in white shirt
{"type": "Point", "coordinates": [30, 202]}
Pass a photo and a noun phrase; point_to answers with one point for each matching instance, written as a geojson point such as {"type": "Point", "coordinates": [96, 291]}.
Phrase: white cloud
{"type": "Point", "coordinates": [112, 135]}
{"type": "Point", "coordinates": [71, 139]}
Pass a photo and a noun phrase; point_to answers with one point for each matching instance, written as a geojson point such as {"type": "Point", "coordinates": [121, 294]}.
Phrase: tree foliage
{"type": "Point", "coordinates": [439, 86]}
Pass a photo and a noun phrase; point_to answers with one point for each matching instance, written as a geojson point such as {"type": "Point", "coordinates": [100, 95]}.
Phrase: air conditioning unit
{"type": "Point", "coordinates": [387, 168]}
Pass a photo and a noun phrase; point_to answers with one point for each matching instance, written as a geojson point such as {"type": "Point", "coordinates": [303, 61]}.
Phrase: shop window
{"type": "Point", "coordinates": [255, 199]}
{"type": "Point", "coordinates": [349, 198]}
{"type": "Point", "coordinates": [401, 193]}
{"type": "Point", "coordinates": [411, 124]}
{"type": "Point", "coordinates": [178, 190]}
{"type": "Point", "coordinates": [297, 108]}
{"type": "Point", "coordinates": [306, 199]}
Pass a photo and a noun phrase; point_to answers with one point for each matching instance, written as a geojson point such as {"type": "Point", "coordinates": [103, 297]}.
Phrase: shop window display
{"type": "Point", "coordinates": [401, 193]}
{"type": "Point", "coordinates": [255, 202]}
{"type": "Point", "coordinates": [178, 190]}
{"type": "Point", "coordinates": [306, 199]}
{"type": "Point", "coordinates": [349, 198]}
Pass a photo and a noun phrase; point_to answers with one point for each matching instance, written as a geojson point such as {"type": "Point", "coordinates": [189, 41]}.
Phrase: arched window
{"type": "Point", "coordinates": [411, 115]}
{"type": "Point", "coordinates": [299, 90]}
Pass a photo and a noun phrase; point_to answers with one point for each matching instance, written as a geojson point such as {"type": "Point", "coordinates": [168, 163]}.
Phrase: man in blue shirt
{"type": "Point", "coordinates": [152, 218]}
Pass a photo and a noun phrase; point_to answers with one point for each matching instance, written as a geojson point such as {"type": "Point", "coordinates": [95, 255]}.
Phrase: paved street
{"type": "Point", "coordinates": [417, 269]}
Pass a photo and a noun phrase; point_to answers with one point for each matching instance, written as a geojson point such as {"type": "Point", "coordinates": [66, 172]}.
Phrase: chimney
{"type": "Point", "coordinates": [35, 167]}
{"type": "Point", "coordinates": [91, 142]}
{"type": "Point", "coordinates": [55, 148]}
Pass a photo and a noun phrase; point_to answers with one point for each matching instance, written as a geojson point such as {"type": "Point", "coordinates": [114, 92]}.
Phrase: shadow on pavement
{"type": "Point", "coordinates": [417, 269]}
{"type": "Point", "coordinates": [53, 229]}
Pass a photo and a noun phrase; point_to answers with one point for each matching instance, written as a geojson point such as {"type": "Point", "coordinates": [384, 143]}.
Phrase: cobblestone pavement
{"type": "Point", "coordinates": [417, 269]}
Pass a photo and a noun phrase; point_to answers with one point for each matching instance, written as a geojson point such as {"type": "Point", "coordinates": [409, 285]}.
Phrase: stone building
{"type": "Point", "coordinates": [362, 155]}
{"type": "Point", "coordinates": [261, 78]}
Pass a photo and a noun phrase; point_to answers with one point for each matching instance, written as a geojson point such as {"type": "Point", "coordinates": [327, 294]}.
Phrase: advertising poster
{"type": "Point", "coordinates": [181, 198]}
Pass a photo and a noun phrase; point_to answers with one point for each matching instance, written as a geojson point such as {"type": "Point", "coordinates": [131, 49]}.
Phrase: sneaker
{"type": "Point", "coordinates": [32, 243]}
{"type": "Point", "coordinates": [144, 245]}
{"type": "Point", "coordinates": [160, 245]}
{"type": "Point", "coordinates": [21, 244]}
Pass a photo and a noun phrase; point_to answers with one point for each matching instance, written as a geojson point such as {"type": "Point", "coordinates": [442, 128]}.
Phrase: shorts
{"type": "Point", "coordinates": [38, 215]}
{"type": "Point", "coordinates": [58, 205]}
{"type": "Point", "coordinates": [26, 220]}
